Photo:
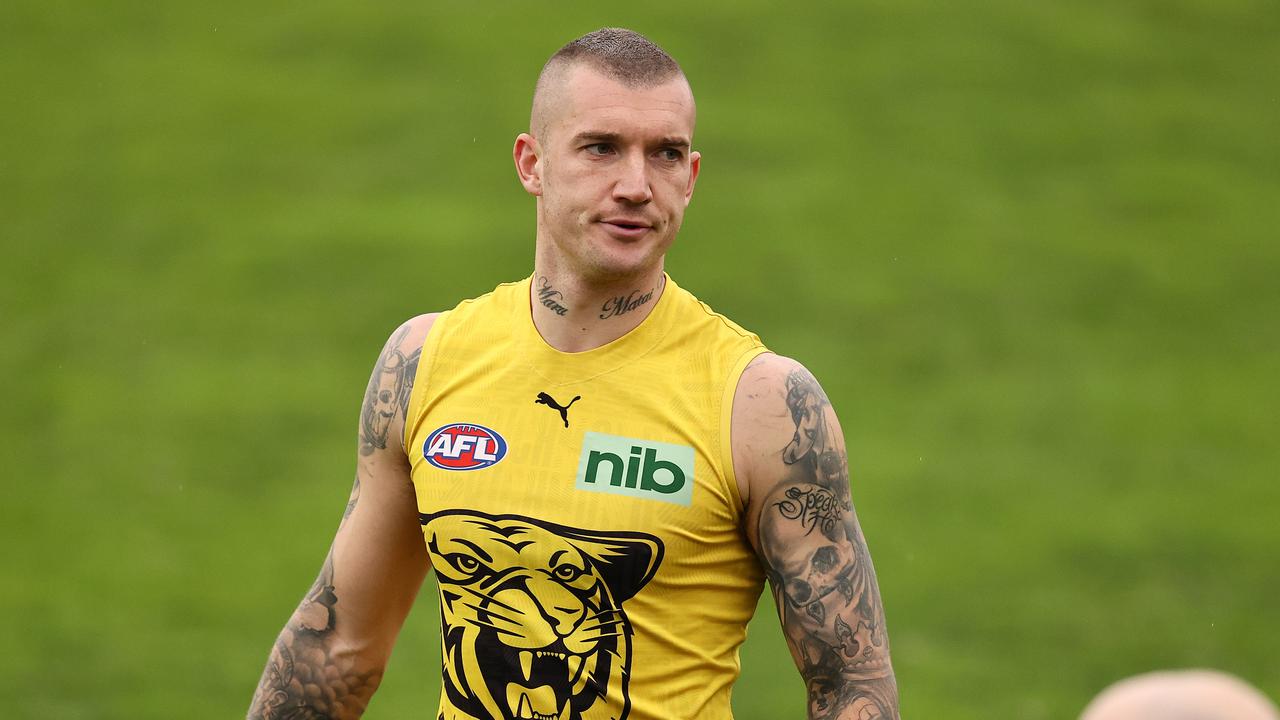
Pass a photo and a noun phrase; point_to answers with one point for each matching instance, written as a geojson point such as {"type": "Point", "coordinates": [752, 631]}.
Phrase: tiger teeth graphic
{"type": "Point", "coordinates": [580, 680]}
{"type": "Point", "coordinates": [526, 663]}
{"type": "Point", "coordinates": [503, 657]}
{"type": "Point", "coordinates": [528, 703]}
{"type": "Point", "coordinates": [573, 663]}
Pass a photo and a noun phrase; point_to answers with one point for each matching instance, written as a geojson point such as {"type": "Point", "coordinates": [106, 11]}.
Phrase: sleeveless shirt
{"type": "Point", "coordinates": [581, 513]}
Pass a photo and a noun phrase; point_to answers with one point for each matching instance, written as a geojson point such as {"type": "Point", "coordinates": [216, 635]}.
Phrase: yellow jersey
{"type": "Point", "coordinates": [581, 513]}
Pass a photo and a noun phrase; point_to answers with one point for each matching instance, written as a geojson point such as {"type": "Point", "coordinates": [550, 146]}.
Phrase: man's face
{"type": "Point", "coordinates": [614, 171]}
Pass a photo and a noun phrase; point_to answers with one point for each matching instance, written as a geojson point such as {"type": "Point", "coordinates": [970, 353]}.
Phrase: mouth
{"type": "Point", "coordinates": [544, 684]}
{"type": "Point", "coordinates": [626, 228]}
{"type": "Point", "coordinates": [550, 680]}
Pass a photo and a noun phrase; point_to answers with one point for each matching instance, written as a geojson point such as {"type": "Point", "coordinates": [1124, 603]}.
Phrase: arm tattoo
{"type": "Point", "coordinates": [811, 446]}
{"type": "Point", "coordinates": [351, 501]}
{"type": "Point", "coordinates": [305, 679]}
{"type": "Point", "coordinates": [309, 674]}
{"type": "Point", "coordinates": [820, 571]}
{"type": "Point", "coordinates": [388, 393]}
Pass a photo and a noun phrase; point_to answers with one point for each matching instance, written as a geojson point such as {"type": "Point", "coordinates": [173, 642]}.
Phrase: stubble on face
{"type": "Point", "coordinates": [611, 200]}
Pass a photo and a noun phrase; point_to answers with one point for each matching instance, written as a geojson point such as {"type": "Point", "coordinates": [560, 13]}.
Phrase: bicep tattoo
{"type": "Point", "coordinates": [388, 393]}
{"type": "Point", "coordinates": [823, 582]}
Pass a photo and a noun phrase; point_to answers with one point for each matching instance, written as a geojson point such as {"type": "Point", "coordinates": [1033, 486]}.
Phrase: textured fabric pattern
{"type": "Point", "coordinates": [585, 531]}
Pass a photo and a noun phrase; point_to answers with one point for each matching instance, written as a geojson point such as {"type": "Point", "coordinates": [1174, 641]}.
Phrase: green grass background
{"type": "Point", "coordinates": [1030, 248]}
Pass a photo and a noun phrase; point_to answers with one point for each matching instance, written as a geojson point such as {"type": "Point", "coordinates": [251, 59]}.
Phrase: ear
{"type": "Point", "coordinates": [695, 164]}
{"type": "Point", "coordinates": [528, 156]}
{"type": "Point", "coordinates": [626, 561]}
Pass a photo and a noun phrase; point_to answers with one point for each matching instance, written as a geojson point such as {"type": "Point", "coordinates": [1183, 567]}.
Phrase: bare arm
{"type": "Point", "coordinates": [329, 658]}
{"type": "Point", "coordinates": [794, 477]}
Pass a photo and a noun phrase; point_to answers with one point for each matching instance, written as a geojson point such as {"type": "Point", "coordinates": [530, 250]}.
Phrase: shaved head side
{"type": "Point", "coordinates": [619, 54]}
{"type": "Point", "coordinates": [1181, 695]}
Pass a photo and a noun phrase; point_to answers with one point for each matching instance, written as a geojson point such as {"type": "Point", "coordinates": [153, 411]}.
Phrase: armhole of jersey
{"type": "Point", "coordinates": [726, 424]}
{"type": "Point", "coordinates": [417, 396]}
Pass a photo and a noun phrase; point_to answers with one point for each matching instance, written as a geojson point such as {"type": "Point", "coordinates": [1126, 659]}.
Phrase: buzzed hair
{"type": "Point", "coordinates": [623, 55]}
{"type": "Point", "coordinates": [617, 53]}
{"type": "Point", "coordinates": [1181, 695]}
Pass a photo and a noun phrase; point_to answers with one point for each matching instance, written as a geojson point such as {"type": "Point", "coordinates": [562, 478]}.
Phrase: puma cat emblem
{"type": "Point", "coordinates": [545, 399]}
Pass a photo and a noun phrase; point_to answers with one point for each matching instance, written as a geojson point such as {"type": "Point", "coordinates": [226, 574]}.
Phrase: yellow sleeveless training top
{"type": "Point", "coordinates": [581, 513]}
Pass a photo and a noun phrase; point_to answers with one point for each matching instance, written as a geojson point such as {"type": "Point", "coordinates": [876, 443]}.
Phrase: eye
{"type": "Point", "coordinates": [464, 563]}
{"type": "Point", "coordinates": [599, 148]}
{"type": "Point", "coordinates": [824, 559]}
{"type": "Point", "coordinates": [670, 154]}
{"type": "Point", "coordinates": [799, 591]}
{"type": "Point", "coordinates": [567, 573]}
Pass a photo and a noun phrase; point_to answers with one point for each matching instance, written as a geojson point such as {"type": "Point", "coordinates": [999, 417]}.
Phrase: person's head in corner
{"type": "Point", "coordinates": [1181, 695]}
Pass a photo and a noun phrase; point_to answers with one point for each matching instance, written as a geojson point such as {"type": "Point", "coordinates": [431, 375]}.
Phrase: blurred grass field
{"type": "Point", "coordinates": [1030, 249]}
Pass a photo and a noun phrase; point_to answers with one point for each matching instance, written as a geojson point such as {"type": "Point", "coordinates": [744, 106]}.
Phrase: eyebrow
{"type": "Point", "coordinates": [612, 137]}
{"type": "Point", "coordinates": [477, 549]}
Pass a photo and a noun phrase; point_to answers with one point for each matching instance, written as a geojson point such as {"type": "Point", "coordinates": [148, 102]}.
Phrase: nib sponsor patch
{"type": "Point", "coordinates": [639, 468]}
{"type": "Point", "coordinates": [463, 446]}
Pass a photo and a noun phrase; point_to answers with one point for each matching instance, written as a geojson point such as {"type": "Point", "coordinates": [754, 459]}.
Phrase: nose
{"type": "Point", "coordinates": [559, 607]}
{"type": "Point", "coordinates": [632, 183]}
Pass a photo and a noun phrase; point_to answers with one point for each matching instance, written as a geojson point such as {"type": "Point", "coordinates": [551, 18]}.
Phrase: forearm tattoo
{"type": "Point", "coordinates": [388, 393]}
{"type": "Point", "coordinates": [308, 676]}
{"type": "Point", "coordinates": [305, 678]}
{"type": "Point", "coordinates": [820, 571]}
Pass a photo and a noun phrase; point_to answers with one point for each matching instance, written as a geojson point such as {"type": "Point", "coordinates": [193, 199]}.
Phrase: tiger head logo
{"type": "Point", "coordinates": [531, 615]}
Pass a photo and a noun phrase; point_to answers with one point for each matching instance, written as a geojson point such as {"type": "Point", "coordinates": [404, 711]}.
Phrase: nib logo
{"type": "Point", "coordinates": [638, 468]}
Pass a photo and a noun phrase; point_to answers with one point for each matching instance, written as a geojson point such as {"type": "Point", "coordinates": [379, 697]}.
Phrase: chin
{"type": "Point", "coordinates": [629, 260]}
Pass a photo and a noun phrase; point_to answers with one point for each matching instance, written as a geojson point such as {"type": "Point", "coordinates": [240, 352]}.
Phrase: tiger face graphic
{"type": "Point", "coordinates": [531, 615]}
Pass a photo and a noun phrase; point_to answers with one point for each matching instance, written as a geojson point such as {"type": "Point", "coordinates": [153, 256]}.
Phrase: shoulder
{"type": "Point", "coordinates": [699, 318]}
{"type": "Point", "coordinates": [769, 390]}
{"type": "Point", "coordinates": [403, 349]}
{"type": "Point", "coordinates": [771, 371]}
{"type": "Point", "coordinates": [488, 313]}
{"type": "Point", "coordinates": [775, 405]}
{"type": "Point", "coordinates": [409, 336]}
{"type": "Point", "coordinates": [390, 387]}
{"type": "Point", "coordinates": [404, 344]}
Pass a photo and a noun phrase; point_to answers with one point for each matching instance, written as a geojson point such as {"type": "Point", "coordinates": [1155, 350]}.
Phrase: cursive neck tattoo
{"type": "Point", "coordinates": [550, 298]}
{"type": "Point", "coordinates": [623, 304]}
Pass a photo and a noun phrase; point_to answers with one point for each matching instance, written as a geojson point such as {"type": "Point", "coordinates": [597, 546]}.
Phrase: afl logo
{"type": "Point", "coordinates": [462, 446]}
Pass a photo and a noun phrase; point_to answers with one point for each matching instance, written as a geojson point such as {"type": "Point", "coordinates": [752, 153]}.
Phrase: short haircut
{"type": "Point", "coordinates": [1181, 695]}
{"type": "Point", "coordinates": [617, 53]}
{"type": "Point", "coordinates": [623, 55]}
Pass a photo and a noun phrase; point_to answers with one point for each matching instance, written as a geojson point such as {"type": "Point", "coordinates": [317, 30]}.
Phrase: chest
{"type": "Point", "coordinates": [637, 448]}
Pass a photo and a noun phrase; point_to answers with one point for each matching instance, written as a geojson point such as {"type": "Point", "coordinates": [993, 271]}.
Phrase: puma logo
{"type": "Point", "coordinates": [545, 399]}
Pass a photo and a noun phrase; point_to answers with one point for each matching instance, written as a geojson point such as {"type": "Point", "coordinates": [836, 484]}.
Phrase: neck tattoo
{"type": "Point", "coordinates": [550, 297]}
{"type": "Point", "coordinates": [623, 304]}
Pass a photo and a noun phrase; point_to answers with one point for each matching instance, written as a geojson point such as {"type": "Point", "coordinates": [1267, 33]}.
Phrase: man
{"type": "Point", "coordinates": [1181, 695]}
{"type": "Point", "coordinates": [600, 469]}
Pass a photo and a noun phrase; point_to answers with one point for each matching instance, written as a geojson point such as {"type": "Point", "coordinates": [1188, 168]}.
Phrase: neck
{"type": "Point", "coordinates": [573, 314]}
